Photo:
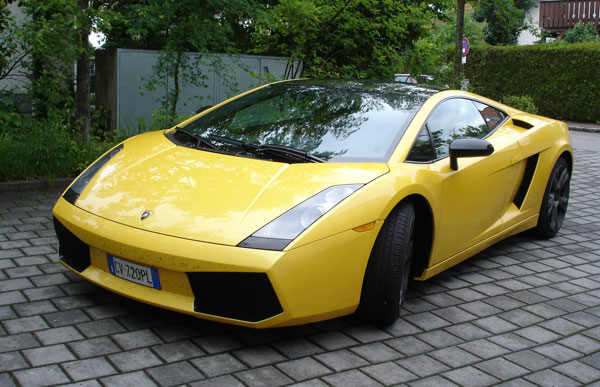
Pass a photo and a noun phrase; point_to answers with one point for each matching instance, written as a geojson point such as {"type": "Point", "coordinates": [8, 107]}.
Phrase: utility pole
{"type": "Point", "coordinates": [460, 19]}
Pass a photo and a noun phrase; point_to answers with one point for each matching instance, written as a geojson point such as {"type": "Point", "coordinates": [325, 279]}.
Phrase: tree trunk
{"type": "Point", "coordinates": [40, 106]}
{"type": "Point", "coordinates": [82, 96]}
{"type": "Point", "coordinates": [460, 18]}
{"type": "Point", "coordinates": [176, 91]}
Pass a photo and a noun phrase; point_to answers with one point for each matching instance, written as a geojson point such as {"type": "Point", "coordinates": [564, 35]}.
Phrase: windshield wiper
{"type": "Point", "coordinates": [288, 153]}
{"type": "Point", "coordinates": [282, 151]}
{"type": "Point", "coordinates": [233, 141]}
{"type": "Point", "coordinates": [201, 142]}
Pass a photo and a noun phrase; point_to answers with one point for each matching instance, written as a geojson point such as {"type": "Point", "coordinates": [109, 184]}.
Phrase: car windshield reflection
{"type": "Point", "coordinates": [334, 122]}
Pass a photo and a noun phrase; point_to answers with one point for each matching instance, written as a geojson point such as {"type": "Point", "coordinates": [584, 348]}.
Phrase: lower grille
{"type": "Point", "coordinates": [241, 296]}
{"type": "Point", "coordinates": [72, 251]}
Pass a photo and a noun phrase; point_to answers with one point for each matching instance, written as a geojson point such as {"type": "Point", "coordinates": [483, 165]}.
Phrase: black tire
{"type": "Point", "coordinates": [388, 271]}
{"type": "Point", "coordinates": [555, 201]}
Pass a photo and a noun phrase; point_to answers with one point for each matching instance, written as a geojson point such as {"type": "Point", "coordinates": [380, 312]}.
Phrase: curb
{"type": "Point", "coordinates": [35, 185]}
{"type": "Point", "coordinates": [584, 129]}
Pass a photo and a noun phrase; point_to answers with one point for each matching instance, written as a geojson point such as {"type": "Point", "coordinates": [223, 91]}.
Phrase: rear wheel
{"type": "Point", "coordinates": [388, 271]}
{"type": "Point", "coordinates": [556, 199]}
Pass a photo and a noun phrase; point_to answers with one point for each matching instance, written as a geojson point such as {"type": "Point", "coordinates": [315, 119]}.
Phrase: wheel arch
{"type": "Point", "coordinates": [568, 158]}
{"type": "Point", "coordinates": [424, 228]}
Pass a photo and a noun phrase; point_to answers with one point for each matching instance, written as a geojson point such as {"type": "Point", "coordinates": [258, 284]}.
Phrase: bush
{"type": "Point", "coordinates": [44, 150]}
{"type": "Point", "coordinates": [31, 148]}
{"type": "Point", "coordinates": [561, 78]}
{"type": "Point", "coordinates": [581, 32]}
{"type": "Point", "coordinates": [524, 103]}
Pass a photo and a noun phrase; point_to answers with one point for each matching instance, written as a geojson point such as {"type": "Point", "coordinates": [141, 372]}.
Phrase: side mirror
{"type": "Point", "coordinates": [468, 147]}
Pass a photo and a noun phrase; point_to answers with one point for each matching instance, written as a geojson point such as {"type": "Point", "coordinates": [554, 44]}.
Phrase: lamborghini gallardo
{"type": "Point", "coordinates": [306, 200]}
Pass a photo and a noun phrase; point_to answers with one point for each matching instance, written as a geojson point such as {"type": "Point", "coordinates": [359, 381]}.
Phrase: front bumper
{"type": "Point", "coordinates": [235, 285]}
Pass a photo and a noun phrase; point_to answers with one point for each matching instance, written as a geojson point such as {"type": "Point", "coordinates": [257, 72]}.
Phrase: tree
{"type": "Point", "coordinates": [460, 19]}
{"type": "Point", "coordinates": [82, 96]}
{"type": "Point", "coordinates": [5, 20]}
{"type": "Point", "coordinates": [505, 19]}
{"type": "Point", "coordinates": [13, 49]}
{"type": "Point", "coordinates": [350, 38]}
{"type": "Point", "coordinates": [52, 37]}
{"type": "Point", "coordinates": [434, 54]}
{"type": "Point", "coordinates": [49, 34]}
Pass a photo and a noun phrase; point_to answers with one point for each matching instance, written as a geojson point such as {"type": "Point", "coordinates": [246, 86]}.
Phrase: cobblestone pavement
{"type": "Point", "coordinates": [525, 312]}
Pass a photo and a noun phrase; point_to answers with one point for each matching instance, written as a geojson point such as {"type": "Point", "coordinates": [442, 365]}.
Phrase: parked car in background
{"type": "Point", "coordinates": [407, 78]}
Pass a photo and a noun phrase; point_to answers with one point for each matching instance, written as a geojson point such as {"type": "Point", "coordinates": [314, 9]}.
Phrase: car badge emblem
{"type": "Point", "coordinates": [145, 215]}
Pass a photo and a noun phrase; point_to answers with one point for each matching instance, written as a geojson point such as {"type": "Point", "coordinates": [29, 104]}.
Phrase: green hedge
{"type": "Point", "coordinates": [563, 79]}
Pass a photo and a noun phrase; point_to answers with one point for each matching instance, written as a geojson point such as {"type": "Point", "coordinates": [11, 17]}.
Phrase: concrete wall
{"type": "Point", "coordinates": [121, 76]}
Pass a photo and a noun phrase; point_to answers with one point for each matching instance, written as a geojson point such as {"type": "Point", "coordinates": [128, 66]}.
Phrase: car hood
{"type": "Point", "coordinates": [206, 196]}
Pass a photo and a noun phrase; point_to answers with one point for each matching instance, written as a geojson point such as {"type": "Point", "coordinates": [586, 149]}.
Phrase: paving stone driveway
{"type": "Point", "coordinates": [525, 312]}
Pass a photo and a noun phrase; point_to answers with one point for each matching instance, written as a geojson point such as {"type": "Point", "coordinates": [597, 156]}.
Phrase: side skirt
{"type": "Point", "coordinates": [465, 254]}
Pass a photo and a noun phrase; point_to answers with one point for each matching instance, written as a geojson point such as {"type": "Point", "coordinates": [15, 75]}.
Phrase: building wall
{"type": "Point", "coordinates": [532, 17]}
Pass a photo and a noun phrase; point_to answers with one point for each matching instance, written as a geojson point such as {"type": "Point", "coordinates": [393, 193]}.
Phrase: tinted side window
{"type": "Point", "coordinates": [452, 119]}
{"type": "Point", "coordinates": [422, 149]}
{"type": "Point", "coordinates": [492, 116]}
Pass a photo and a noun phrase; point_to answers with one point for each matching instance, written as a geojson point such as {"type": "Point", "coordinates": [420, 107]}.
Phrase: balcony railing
{"type": "Point", "coordinates": [557, 16]}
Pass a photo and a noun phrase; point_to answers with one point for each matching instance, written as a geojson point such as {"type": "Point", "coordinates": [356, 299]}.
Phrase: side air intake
{"type": "Point", "coordinates": [526, 180]}
{"type": "Point", "coordinates": [521, 124]}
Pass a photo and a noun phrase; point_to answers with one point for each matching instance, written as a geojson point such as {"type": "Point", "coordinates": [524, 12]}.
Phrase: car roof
{"type": "Point", "coordinates": [371, 85]}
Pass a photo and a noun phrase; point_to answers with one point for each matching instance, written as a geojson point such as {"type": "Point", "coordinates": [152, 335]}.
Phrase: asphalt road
{"type": "Point", "coordinates": [525, 312]}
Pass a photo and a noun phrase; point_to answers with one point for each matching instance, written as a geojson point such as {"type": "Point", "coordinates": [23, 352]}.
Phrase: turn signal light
{"type": "Point", "coordinates": [364, 227]}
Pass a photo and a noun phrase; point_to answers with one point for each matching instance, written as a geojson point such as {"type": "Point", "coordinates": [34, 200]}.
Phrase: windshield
{"type": "Point", "coordinates": [332, 121]}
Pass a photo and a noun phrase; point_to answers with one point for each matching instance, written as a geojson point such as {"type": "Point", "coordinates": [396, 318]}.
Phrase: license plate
{"type": "Point", "coordinates": [140, 274]}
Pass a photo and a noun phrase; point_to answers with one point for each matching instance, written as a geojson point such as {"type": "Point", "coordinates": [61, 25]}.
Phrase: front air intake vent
{"type": "Point", "coordinates": [241, 296]}
{"type": "Point", "coordinates": [72, 251]}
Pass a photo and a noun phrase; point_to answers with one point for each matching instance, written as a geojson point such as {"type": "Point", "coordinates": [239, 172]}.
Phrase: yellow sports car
{"type": "Point", "coordinates": [306, 200]}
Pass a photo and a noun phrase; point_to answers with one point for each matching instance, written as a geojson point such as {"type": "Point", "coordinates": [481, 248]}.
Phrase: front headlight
{"type": "Point", "coordinates": [82, 181]}
{"type": "Point", "coordinates": [284, 229]}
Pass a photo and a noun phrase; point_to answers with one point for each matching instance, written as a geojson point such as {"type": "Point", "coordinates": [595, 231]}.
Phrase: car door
{"type": "Point", "coordinates": [474, 197]}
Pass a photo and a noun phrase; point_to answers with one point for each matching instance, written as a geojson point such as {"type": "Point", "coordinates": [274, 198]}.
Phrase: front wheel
{"type": "Point", "coordinates": [388, 271]}
{"type": "Point", "coordinates": [555, 201]}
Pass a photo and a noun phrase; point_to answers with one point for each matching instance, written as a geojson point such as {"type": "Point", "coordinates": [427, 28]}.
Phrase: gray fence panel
{"type": "Point", "coordinates": [226, 75]}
